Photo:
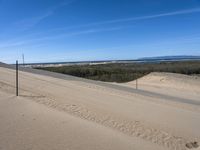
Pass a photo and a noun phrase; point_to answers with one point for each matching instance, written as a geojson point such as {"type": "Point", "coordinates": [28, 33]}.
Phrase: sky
{"type": "Point", "coordinates": [88, 30]}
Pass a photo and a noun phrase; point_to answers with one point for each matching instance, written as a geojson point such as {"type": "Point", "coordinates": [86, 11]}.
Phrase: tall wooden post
{"type": "Point", "coordinates": [17, 79]}
{"type": "Point", "coordinates": [136, 83]}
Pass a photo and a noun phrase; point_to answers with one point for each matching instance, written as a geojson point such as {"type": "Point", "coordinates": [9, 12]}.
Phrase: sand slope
{"type": "Point", "coordinates": [26, 125]}
{"type": "Point", "coordinates": [138, 121]}
{"type": "Point", "coordinates": [171, 84]}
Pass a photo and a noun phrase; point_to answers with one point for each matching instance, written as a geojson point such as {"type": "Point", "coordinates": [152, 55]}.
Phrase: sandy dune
{"type": "Point", "coordinates": [61, 114]}
{"type": "Point", "coordinates": [171, 84]}
{"type": "Point", "coordinates": [26, 125]}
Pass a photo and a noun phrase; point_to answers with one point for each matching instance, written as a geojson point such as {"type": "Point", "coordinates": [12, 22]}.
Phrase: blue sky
{"type": "Point", "coordinates": [81, 30]}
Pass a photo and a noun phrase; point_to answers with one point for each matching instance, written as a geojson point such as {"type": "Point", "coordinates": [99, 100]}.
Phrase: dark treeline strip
{"type": "Point", "coordinates": [125, 72]}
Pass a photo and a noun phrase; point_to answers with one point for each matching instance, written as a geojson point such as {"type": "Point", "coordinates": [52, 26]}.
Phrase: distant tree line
{"type": "Point", "coordinates": [125, 72]}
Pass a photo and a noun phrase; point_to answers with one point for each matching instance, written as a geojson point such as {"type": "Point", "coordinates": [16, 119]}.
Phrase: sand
{"type": "Point", "coordinates": [178, 85]}
{"type": "Point", "coordinates": [53, 113]}
{"type": "Point", "coordinates": [26, 125]}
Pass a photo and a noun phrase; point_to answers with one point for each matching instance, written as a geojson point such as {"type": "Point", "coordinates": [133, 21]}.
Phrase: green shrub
{"type": "Point", "coordinates": [124, 72]}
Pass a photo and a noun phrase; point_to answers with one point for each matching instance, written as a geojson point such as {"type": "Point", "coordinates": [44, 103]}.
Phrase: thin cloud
{"type": "Point", "coordinates": [53, 37]}
{"type": "Point", "coordinates": [31, 22]}
{"type": "Point", "coordinates": [181, 12]}
{"type": "Point", "coordinates": [37, 19]}
{"type": "Point", "coordinates": [28, 23]}
{"type": "Point", "coordinates": [89, 31]}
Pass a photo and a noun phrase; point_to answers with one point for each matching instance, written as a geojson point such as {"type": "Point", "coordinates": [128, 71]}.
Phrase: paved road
{"type": "Point", "coordinates": [117, 87]}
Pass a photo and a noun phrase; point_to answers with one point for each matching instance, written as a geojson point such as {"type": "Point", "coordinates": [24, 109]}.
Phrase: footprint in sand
{"type": "Point", "coordinates": [192, 145]}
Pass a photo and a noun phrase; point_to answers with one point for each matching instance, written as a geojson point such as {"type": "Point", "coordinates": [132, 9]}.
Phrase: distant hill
{"type": "Point", "coordinates": [169, 58]}
{"type": "Point", "coordinates": [6, 65]}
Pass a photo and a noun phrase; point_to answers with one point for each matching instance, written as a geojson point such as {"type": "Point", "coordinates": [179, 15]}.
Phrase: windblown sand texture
{"type": "Point", "coordinates": [58, 114]}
